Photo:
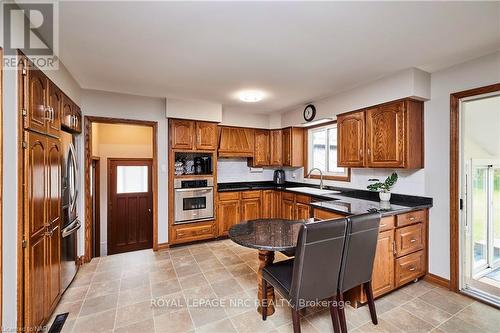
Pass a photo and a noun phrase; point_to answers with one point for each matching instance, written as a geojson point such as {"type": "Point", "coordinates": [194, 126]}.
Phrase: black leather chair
{"type": "Point", "coordinates": [357, 262]}
{"type": "Point", "coordinates": [313, 274]}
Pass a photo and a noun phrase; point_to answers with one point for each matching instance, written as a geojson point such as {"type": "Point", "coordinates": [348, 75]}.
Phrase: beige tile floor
{"type": "Point", "coordinates": [157, 292]}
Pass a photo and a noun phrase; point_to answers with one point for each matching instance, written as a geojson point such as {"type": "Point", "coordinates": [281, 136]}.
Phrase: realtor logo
{"type": "Point", "coordinates": [31, 28]}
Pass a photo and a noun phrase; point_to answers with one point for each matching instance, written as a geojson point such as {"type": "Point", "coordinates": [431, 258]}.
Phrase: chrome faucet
{"type": "Point", "coordinates": [320, 177]}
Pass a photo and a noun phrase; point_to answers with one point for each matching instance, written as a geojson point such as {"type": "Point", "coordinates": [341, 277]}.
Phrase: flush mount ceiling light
{"type": "Point", "coordinates": [250, 96]}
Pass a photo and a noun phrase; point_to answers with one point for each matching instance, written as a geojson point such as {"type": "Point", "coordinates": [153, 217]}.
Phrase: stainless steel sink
{"type": "Point", "coordinates": [312, 191]}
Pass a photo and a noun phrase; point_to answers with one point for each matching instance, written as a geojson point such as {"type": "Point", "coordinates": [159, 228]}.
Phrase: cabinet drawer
{"type": "Point", "coordinates": [409, 267]}
{"type": "Point", "coordinates": [386, 223]}
{"type": "Point", "coordinates": [305, 199]}
{"type": "Point", "coordinates": [224, 196]}
{"type": "Point", "coordinates": [409, 239]}
{"type": "Point", "coordinates": [411, 217]}
{"type": "Point", "coordinates": [195, 232]}
{"type": "Point", "coordinates": [250, 194]}
{"type": "Point", "coordinates": [326, 215]}
{"type": "Point", "coordinates": [288, 196]}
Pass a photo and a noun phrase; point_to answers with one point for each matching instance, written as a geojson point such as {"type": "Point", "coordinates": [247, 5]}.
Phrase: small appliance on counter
{"type": "Point", "coordinates": [279, 177]}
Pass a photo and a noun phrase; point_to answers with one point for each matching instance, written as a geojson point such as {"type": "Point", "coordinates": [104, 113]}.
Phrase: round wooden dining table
{"type": "Point", "coordinates": [267, 236]}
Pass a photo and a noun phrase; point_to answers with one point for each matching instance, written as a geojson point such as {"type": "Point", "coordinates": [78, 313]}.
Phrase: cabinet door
{"type": "Point", "coordinates": [351, 139]}
{"type": "Point", "coordinates": [383, 265]}
{"type": "Point", "coordinates": [228, 215]}
{"type": "Point", "coordinates": [276, 205]}
{"type": "Point", "coordinates": [53, 267]}
{"type": "Point", "coordinates": [261, 155]}
{"type": "Point", "coordinates": [267, 204]}
{"type": "Point", "coordinates": [206, 135]}
{"type": "Point", "coordinates": [287, 147]}
{"type": "Point", "coordinates": [250, 209]}
{"type": "Point", "coordinates": [35, 213]}
{"type": "Point", "coordinates": [55, 103]}
{"type": "Point", "coordinates": [67, 112]}
{"type": "Point", "coordinates": [276, 146]}
{"type": "Point", "coordinates": [236, 141]}
{"type": "Point", "coordinates": [385, 135]}
{"type": "Point", "coordinates": [182, 132]}
{"type": "Point", "coordinates": [77, 113]}
{"type": "Point", "coordinates": [303, 211]}
{"type": "Point", "coordinates": [287, 210]}
{"type": "Point", "coordinates": [53, 182]}
{"type": "Point", "coordinates": [37, 113]}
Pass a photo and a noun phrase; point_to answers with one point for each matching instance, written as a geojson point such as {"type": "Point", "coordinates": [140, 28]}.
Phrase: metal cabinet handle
{"type": "Point", "coordinates": [412, 268]}
{"type": "Point", "coordinates": [361, 153]}
{"type": "Point", "coordinates": [47, 113]}
{"type": "Point", "coordinates": [369, 151]}
{"type": "Point", "coordinates": [412, 218]}
{"type": "Point", "coordinates": [413, 240]}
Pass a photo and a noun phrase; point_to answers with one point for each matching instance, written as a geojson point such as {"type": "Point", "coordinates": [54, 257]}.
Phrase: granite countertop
{"type": "Point", "coordinates": [348, 201]}
{"type": "Point", "coordinates": [267, 234]}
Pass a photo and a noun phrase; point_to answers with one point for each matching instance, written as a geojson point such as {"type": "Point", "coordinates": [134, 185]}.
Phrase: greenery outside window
{"type": "Point", "coordinates": [322, 153]}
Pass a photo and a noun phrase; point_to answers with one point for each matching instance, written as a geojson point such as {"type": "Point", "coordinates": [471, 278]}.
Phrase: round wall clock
{"type": "Point", "coordinates": [309, 112]}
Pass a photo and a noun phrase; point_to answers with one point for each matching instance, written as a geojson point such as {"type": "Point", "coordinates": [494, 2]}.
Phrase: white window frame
{"type": "Point", "coordinates": [344, 176]}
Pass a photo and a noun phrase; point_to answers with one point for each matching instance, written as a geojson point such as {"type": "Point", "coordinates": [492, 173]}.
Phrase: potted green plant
{"type": "Point", "coordinates": [384, 188]}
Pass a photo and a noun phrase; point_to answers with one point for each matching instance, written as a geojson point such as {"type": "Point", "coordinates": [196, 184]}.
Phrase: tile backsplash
{"type": "Point", "coordinates": [237, 170]}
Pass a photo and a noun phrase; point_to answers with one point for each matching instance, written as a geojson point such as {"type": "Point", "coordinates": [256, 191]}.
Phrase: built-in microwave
{"type": "Point", "coordinates": [193, 199]}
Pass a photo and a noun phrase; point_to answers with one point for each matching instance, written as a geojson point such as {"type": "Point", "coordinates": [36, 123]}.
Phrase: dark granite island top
{"type": "Point", "coordinates": [348, 201]}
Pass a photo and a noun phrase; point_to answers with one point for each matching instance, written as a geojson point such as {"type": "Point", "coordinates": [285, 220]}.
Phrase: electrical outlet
{"type": "Point", "coordinates": [294, 175]}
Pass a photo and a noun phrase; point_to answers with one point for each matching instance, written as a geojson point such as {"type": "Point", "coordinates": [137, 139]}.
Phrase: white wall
{"type": "Point", "coordinates": [106, 104]}
{"type": "Point", "coordinates": [116, 141]}
{"type": "Point", "coordinates": [472, 74]}
{"type": "Point", "coordinates": [407, 83]}
{"type": "Point", "coordinates": [234, 117]}
{"type": "Point", "coordinates": [190, 109]}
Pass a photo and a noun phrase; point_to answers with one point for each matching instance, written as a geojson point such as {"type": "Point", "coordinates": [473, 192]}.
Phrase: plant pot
{"type": "Point", "coordinates": [384, 196]}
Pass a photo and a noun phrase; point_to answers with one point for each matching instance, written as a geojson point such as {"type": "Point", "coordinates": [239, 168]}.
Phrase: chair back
{"type": "Point", "coordinates": [317, 261]}
{"type": "Point", "coordinates": [359, 251]}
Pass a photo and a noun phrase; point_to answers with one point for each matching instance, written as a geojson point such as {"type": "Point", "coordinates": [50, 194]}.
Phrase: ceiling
{"type": "Point", "coordinates": [295, 52]}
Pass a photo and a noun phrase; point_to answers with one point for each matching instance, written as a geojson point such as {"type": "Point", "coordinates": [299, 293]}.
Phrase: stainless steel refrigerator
{"type": "Point", "coordinates": [70, 221]}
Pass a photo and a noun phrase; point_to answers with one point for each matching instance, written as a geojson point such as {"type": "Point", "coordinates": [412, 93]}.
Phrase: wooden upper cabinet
{"type": "Point", "coordinates": [55, 103]}
{"type": "Point", "coordinates": [385, 136]}
{"type": "Point", "coordinates": [293, 147]}
{"type": "Point", "coordinates": [67, 112]}
{"type": "Point", "coordinates": [71, 115]}
{"type": "Point", "coordinates": [236, 141]}
{"type": "Point", "coordinates": [389, 135]}
{"type": "Point", "coordinates": [182, 134]}
{"type": "Point", "coordinates": [276, 147]}
{"type": "Point", "coordinates": [206, 135]}
{"type": "Point", "coordinates": [37, 111]}
{"type": "Point", "coordinates": [262, 154]}
{"type": "Point", "coordinates": [351, 139]}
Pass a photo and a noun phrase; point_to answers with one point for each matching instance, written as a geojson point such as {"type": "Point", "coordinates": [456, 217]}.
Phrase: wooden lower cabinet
{"type": "Point", "coordinates": [193, 231]}
{"type": "Point", "coordinates": [287, 210]}
{"type": "Point", "coordinates": [251, 209]}
{"type": "Point", "coordinates": [383, 265]}
{"type": "Point", "coordinates": [321, 214]}
{"type": "Point", "coordinates": [302, 211]}
{"type": "Point", "coordinates": [400, 256]}
{"type": "Point", "coordinates": [267, 204]}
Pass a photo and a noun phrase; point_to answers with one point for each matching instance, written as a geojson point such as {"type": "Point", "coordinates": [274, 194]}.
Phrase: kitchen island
{"type": "Point", "coordinates": [401, 255]}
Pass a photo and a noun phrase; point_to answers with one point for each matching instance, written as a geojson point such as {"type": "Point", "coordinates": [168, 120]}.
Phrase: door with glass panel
{"type": "Point", "coordinates": [130, 205]}
{"type": "Point", "coordinates": [483, 220]}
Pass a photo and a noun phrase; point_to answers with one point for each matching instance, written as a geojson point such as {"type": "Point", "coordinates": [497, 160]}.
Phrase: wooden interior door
{"type": "Point", "coordinates": [351, 139]}
{"type": "Point", "coordinates": [54, 222]}
{"type": "Point", "coordinates": [385, 135]}
{"type": "Point", "coordinates": [95, 197]}
{"type": "Point", "coordinates": [130, 205]}
{"type": "Point", "coordinates": [35, 292]}
{"type": "Point", "coordinates": [36, 118]}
